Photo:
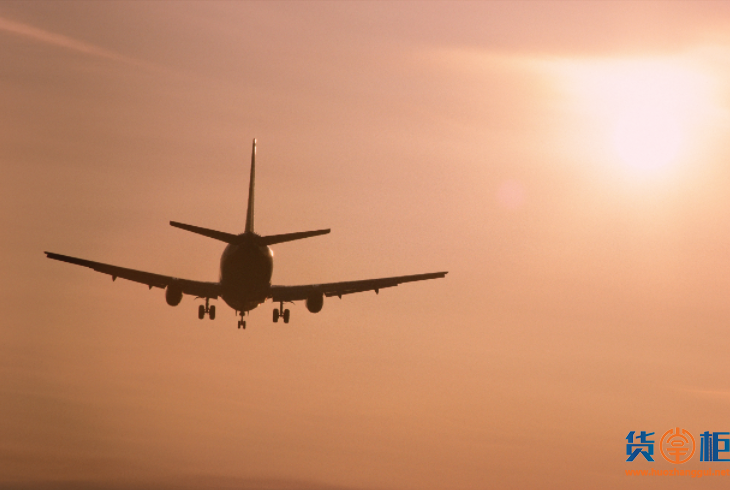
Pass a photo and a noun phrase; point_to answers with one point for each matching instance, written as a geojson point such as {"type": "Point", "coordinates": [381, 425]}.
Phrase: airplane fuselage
{"type": "Point", "coordinates": [245, 274]}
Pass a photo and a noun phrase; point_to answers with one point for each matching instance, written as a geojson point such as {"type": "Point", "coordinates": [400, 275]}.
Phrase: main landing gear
{"type": "Point", "coordinates": [207, 309]}
{"type": "Point", "coordinates": [281, 312]}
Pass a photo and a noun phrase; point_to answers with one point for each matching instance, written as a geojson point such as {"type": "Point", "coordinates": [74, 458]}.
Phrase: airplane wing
{"type": "Point", "coordinates": [194, 288]}
{"type": "Point", "coordinates": [297, 293]}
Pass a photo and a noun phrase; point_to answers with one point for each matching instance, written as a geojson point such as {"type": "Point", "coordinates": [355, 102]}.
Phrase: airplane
{"type": "Point", "coordinates": [246, 266]}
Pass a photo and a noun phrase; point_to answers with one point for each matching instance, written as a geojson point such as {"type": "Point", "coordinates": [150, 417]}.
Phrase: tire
{"type": "Point", "coordinates": [276, 316]}
{"type": "Point", "coordinates": [201, 312]}
{"type": "Point", "coordinates": [211, 313]}
{"type": "Point", "coordinates": [286, 316]}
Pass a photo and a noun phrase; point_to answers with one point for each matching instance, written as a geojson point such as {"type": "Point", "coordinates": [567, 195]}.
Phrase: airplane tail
{"type": "Point", "coordinates": [249, 211]}
{"type": "Point", "coordinates": [249, 234]}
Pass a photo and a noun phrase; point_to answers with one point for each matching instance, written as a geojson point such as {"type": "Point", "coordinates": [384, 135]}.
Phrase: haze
{"type": "Point", "coordinates": [567, 163]}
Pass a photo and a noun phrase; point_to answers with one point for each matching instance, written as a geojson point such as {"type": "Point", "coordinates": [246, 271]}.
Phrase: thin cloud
{"type": "Point", "coordinates": [62, 41]}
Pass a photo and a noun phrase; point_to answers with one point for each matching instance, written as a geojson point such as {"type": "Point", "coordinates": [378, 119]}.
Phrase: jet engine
{"type": "Point", "coordinates": [315, 303]}
{"type": "Point", "coordinates": [173, 295]}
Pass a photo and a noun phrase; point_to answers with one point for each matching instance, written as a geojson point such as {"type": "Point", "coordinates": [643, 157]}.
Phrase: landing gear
{"type": "Point", "coordinates": [281, 312]}
{"type": "Point", "coordinates": [210, 310]}
{"type": "Point", "coordinates": [242, 322]}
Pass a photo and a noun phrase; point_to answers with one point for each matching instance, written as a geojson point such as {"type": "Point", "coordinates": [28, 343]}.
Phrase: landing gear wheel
{"type": "Point", "coordinates": [206, 309]}
{"type": "Point", "coordinates": [242, 322]}
{"type": "Point", "coordinates": [281, 312]}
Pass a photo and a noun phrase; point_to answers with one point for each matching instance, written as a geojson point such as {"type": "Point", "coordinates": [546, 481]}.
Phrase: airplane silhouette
{"type": "Point", "coordinates": [245, 272]}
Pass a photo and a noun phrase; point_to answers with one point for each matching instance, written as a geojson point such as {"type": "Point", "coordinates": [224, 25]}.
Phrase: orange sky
{"type": "Point", "coordinates": [589, 270]}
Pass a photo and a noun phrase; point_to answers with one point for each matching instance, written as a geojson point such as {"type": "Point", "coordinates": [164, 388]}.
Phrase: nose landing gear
{"type": "Point", "coordinates": [207, 309]}
{"type": "Point", "coordinates": [242, 322]}
{"type": "Point", "coordinates": [281, 312]}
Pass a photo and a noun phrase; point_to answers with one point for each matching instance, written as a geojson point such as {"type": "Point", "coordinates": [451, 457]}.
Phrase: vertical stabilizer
{"type": "Point", "coordinates": [249, 211]}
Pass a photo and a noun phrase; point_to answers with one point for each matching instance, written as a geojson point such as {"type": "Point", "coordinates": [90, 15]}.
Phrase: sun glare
{"type": "Point", "coordinates": [649, 109]}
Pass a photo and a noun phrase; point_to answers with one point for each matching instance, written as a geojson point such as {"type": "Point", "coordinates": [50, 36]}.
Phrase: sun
{"type": "Point", "coordinates": [648, 109]}
{"type": "Point", "coordinates": [648, 137]}
{"type": "Point", "coordinates": [652, 106]}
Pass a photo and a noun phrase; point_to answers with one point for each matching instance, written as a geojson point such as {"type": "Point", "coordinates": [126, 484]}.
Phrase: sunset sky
{"type": "Point", "coordinates": [567, 163]}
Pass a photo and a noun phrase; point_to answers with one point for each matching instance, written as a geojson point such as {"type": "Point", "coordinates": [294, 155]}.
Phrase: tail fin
{"type": "Point", "coordinates": [249, 211]}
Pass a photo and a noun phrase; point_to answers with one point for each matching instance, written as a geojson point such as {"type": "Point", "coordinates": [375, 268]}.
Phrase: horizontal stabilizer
{"type": "Point", "coordinates": [217, 235]}
{"type": "Point", "coordinates": [261, 240]}
{"type": "Point", "coordinates": [289, 237]}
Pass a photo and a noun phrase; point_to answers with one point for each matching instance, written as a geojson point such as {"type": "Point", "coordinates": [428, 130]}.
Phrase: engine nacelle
{"type": "Point", "coordinates": [173, 295]}
{"type": "Point", "coordinates": [315, 303]}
